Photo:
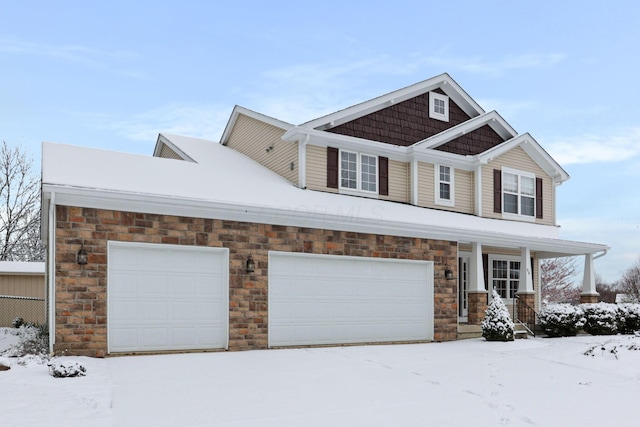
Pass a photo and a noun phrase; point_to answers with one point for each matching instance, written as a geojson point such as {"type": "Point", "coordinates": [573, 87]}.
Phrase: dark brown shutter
{"type": "Point", "coordinates": [485, 268]}
{"type": "Point", "coordinates": [497, 191]}
{"type": "Point", "coordinates": [383, 176]}
{"type": "Point", "coordinates": [539, 204]}
{"type": "Point", "coordinates": [332, 167]}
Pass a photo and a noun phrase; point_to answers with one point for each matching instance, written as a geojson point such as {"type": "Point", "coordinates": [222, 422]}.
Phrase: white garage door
{"type": "Point", "coordinates": [166, 297]}
{"type": "Point", "coordinates": [323, 299]}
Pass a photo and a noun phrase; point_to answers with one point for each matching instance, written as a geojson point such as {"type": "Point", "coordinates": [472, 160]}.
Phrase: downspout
{"type": "Point", "coordinates": [604, 252]}
{"type": "Point", "coordinates": [414, 182]}
{"type": "Point", "coordinates": [51, 249]}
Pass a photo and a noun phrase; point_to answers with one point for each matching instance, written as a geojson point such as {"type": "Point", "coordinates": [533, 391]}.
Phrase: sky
{"type": "Point", "coordinates": [113, 75]}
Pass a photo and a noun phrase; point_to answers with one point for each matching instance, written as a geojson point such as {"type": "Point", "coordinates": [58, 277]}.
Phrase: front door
{"type": "Point", "coordinates": [463, 287]}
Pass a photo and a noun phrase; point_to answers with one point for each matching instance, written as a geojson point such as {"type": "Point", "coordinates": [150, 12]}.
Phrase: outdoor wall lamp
{"type": "Point", "coordinates": [251, 265]}
{"type": "Point", "coordinates": [82, 256]}
{"type": "Point", "coordinates": [448, 273]}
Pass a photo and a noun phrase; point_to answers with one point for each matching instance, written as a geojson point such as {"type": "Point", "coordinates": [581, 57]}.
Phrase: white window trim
{"type": "Point", "coordinates": [358, 191]}
{"type": "Point", "coordinates": [508, 258]}
{"type": "Point", "coordinates": [519, 216]}
{"type": "Point", "coordinates": [439, 201]}
{"type": "Point", "coordinates": [432, 113]}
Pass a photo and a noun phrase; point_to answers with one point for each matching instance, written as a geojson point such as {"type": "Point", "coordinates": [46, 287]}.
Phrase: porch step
{"type": "Point", "coordinates": [521, 332]}
{"type": "Point", "coordinates": [469, 331]}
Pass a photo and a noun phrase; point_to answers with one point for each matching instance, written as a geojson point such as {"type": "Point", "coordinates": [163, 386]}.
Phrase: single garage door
{"type": "Point", "coordinates": [166, 297]}
{"type": "Point", "coordinates": [324, 299]}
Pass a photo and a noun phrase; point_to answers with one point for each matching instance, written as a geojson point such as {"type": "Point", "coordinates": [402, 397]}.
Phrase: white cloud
{"type": "Point", "coordinates": [590, 148]}
{"type": "Point", "coordinates": [480, 65]}
{"type": "Point", "coordinates": [85, 55]}
{"type": "Point", "coordinates": [199, 121]}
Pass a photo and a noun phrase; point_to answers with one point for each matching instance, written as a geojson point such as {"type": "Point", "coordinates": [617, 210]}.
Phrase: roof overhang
{"type": "Point", "coordinates": [492, 119]}
{"type": "Point", "coordinates": [237, 110]}
{"type": "Point", "coordinates": [443, 81]}
{"type": "Point", "coordinates": [533, 149]}
{"type": "Point", "coordinates": [343, 220]}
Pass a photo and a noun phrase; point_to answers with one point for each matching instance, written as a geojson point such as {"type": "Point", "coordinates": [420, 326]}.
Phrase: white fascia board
{"type": "Point", "coordinates": [533, 149]}
{"type": "Point", "coordinates": [237, 110]}
{"type": "Point", "coordinates": [394, 152]}
{"type": "Point", "coordinates": [450, 159]}
{"type": "Point", "coordinates": [317, 217]}
{"type": "Point", "coordinates": [493, 119]}
{"type": "Point", "coordinates": [328, 139]}
{"type": "Point", "coordinates": [443, 81]}
{"type": "Point", "coordinates": [163, 140]}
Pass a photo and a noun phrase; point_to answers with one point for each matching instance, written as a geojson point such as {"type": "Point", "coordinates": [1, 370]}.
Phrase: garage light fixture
{"type": "Point", "coordinates": [448, 273]}
{"type": "Point", "coordinates": [82, 256]}
{"type": "Point", "coordinates": [251, 265]}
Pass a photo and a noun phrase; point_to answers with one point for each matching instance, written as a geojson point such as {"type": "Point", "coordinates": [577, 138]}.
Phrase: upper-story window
{"type": "Point", "coordinates": [438, 106]}
{"type": "Point", "coordinates": [358, 172]}
{"type": "Point", "coordinates": [518, 193]}
{"type": "Point", "coordinates": [444, 185]}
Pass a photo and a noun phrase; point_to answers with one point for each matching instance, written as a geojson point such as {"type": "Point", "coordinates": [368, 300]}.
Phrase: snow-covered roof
{"type": "Point", "coordinates": [223, 183]}
{"type": "Point", "coordinates": [20, 267]}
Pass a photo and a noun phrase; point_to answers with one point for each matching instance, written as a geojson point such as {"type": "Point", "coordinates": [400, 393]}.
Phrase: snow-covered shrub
{"type": "Point", "coordinates": [561, 320]}
{"type": "Point", "coordinates": [66, 369]}
{"type": "Point", "coordinates": [628, 318]}
{"type": "Point", "coordinates": [497, 325]}
{"type": "Point", "coordinates": [600, 318]}
{"type": "Point", "coordinates": [17, 322]}
{"type": "Point", "coordinates": [32, 339]}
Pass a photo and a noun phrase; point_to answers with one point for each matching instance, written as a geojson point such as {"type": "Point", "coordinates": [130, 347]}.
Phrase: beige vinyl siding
{"type": "Point", "coordinates": [22, 286]}
{"type": "Point", "coordinates": [398, 182]}
{"type": "Point", "coordinates": [252, 138]}
{"type": "Point", "coordinates": [517, 159]}
{"type": "Point", "coordinates": [462, 187]}
{"type": "Point", "coordinates": [168, 153]}
{"type": "Point", "coordinates": [317, 169]}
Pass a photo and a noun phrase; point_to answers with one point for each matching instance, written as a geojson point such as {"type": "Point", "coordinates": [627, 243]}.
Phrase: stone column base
{"type": "Point", "coordinates": [477, 304]}
{"type": "Point", "coordinates": [588, 299]}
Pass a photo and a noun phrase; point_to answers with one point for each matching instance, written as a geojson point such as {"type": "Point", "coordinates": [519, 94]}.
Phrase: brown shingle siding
{"type": "Point", "coordinates": [472, 143]}
{"type": "Point", "coordinates": [401, 124]}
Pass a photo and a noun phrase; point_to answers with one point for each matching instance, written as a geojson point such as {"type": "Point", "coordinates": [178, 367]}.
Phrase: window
{"type": "Point", "coordinates": [518, 193]}
{"type": "Point", "coordinates": [444, 185]}
{"type": "Point", "coordinates": [505, 276]}
{"type": "Point", "coordinates": [358, 172]}
{"type": "Point", "coordinates": [439, 106]}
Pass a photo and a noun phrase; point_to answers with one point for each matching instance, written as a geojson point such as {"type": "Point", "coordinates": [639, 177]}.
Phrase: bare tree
{"type": "Point", "coordinates": [629, 284]}
{"type": "Point", "coordinates": [607, 291]}
{"type": "Point", "coordinates": [19, 207]}
{"type": "Point", "coordinates": [557, 277]}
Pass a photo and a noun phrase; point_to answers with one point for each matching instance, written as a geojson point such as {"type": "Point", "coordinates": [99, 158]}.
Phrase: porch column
{"type": "Point", "coordinates": [477, 294]}
{"type": "Point", "coordinates": [526, 294]}
{"type": "Point", "coordinates": [589, 293]}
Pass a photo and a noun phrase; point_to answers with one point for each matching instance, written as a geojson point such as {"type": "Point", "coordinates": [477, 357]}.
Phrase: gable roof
{"type": "Point", "coordinates": [442, 81]}
{"type": "Point", "coordinates": [237, 110]}
{"type": "Point", "coordinates": [534, 150]}
{"type": "Point", "coordinates": [492, 119]}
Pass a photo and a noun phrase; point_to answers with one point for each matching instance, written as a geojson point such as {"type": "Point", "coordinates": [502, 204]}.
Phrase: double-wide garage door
{"type": "Point", "coordinates": [167, 297]}
{"type": "Point", "coordinates": [323, 299]}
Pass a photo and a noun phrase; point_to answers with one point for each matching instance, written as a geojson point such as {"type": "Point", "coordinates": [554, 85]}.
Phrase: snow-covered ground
{"type": "Point", "coordinates": [544, 382]}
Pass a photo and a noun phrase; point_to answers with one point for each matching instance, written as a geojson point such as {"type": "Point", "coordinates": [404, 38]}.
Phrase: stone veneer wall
{"type": "Point", "coordinates": [81, 298]}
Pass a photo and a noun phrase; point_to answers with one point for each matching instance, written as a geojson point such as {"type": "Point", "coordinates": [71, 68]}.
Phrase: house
{"type": "Point", "coordinates": [387, 221]}
{"type": "Point", "coordinates": [22, 292]}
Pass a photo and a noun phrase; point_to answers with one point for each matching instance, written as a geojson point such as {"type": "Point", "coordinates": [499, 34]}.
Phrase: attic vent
{"type": "Point", "coordinates": [439, 106]}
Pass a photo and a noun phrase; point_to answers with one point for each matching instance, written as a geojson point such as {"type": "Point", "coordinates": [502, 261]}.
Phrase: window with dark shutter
{"type": "Point", "coordinates": [383, 175]}
{"type": "Point", "coordinates": [497, 191]}
{"type": "Point", "coordinates": [332, 167]}
{"type": "Point", "coordinates": [539, 204]}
